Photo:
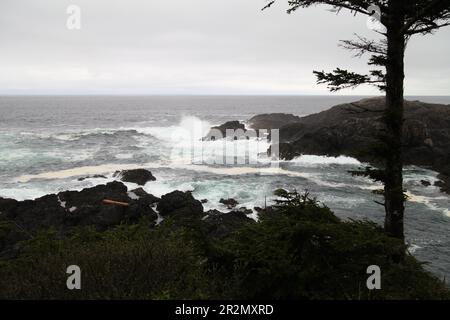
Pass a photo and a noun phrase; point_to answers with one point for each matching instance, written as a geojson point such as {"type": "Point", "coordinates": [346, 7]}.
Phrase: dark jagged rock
{"type": "Point", "coordinates": [272, 121]}
{"type": "Point", "coordinates": [140, 192]}
{"type": "Point", "coordinates": [244, 210]}
{"type": "Point", "coordinates": [213, 212]}
{"type": "Point", "coordinates": [230, 125]}
{"type": "Point", "coordinates": [7, 206]}
{"type": "Point", "coordinates": [230, 203]}
{"type": "Point", "coordinates": [443, 183]}
{"type": "Point", "coordinates": [69, 209]}
{"type": "Point", "coordinates": [220, 225]}
{"type": "Point", "coordinates": [443, 166]}
{"type": "Point", "coordinates": [145, 197]}
{"type": "Point", "coordinates": [113, 190]}
{"type": "Point", "coordinates": [34, 214]}
{"type": "Point", "coordinates": [352, 129]}
{"type": "Point", "coordinates": [138, 176]}
{"type": "Point", "coordinates": [180, 204]}
{"type": "Point", "coordinates": [286, 151]}
{"type": "Point", "coordinates": [425, 183]}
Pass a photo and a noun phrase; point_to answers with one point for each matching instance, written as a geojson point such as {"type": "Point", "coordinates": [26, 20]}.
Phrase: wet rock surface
{"type": "Point", "coordinates": [272, 121]}
{"type": "Point", "coordinates": [76, 208]}
{"type": "Point", "coordinates": [105, 207]}
{"type": "Point", "coordinates": [229, 203]}
{"type": "Point", "coordinates": [220, 225]}
{"type": "Point", "coordinates": [181, 204]}
{"type": "Point", "coordinates": [138, 176]}
{"type": "Point", "coordinates": [219, 132]}
{"type": "Point", "coordinates": [352, 129]}
{"type": "Point", "coordinates": [443, 183]}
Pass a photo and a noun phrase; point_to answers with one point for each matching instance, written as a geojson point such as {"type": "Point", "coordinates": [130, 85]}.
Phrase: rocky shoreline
{"type": "Point", "coordinates": [352, 129]}
{"type": "Point", "coordinates": [348, 129]}
{"type": "Point", "coordinates": [132, 245]}
{"type": "Point", "coordinates": [108, 205]}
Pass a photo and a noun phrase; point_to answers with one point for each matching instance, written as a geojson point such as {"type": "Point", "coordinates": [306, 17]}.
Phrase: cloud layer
{"type": "Point", "coordinates": [191, 47]}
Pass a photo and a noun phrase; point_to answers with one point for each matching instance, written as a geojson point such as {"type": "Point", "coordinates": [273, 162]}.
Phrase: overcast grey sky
{"type": "Point", "coordinates": [191, 47]}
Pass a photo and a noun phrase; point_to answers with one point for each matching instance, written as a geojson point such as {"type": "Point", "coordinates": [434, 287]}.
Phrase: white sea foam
{"type": "Point", "coordinates": [161, 188]}
{"type": "Point", "coordinates": [189, 128]}
{"type": "Point", "coordinates": [24, 193]}
{"type": "Point", "coordinates": [79, 171]}
{"type": "Point", "coordinates": [312, 160]}
{"type": "Point", "coordinates": [74, 135]}
{"type": "Point", "coordinates": [186, 144]}
{"type": "Point", "coordinates": [159, 218]}
{"type": "Point", "coordinates": [413, 248]}
{"type": "Point", "coordinates": [108, 168]}
{"type": "Point", "coordinates": [233, 171]}
{"type": "Point", "coordinates": [133, 195]}
{"type": "Point", "coordinates": [346, 202]}
{"type": "Point", "coordinates": [124, 156]}
{"type": "Point", "coordinates": [62, 203]}
{"type": "Point", "coordinates": [181, 139]}
{"type": "Point", "coordinates": [428, 201]}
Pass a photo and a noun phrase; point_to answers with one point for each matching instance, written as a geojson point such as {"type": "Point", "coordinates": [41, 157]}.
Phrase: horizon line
{"type": "Point", "coordinates": [203, 95]}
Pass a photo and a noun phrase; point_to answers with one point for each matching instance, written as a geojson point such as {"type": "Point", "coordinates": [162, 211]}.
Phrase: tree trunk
{"type": "Point", "coordinates": [393, 187]}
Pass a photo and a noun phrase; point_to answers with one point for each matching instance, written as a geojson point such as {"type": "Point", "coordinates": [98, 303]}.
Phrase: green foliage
{"type": "Point", "coordinates": [305, 252]}
{"type": "Point", "coordinates": [300, 251]}
{"type": "Point", "coordinates": [400, 20]}
{"type": "Point", "coordinates": [341, 79]}
{"type": "Point", "coordinates": [130, 262]}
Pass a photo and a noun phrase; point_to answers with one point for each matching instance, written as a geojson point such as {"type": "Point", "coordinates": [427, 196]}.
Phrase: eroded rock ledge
{"type": "Point", "coordinates": [351, 129]}
{"type": "Point", "coordinates": [104, 207]}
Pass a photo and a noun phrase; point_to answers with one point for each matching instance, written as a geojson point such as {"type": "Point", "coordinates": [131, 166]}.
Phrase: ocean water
{"type": "Point", "coordinates": [48, 142]}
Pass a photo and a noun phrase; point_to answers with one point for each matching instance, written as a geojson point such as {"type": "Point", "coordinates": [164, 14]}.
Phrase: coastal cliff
{"type": "Point", "coordinates": [353, 129]}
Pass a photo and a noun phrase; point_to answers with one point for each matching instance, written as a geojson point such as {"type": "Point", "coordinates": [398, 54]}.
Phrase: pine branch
{"type": "Point", "coordinates": [267, 6]}
{"type": "Point", "coordinates": [354, 6]}
{"type": "Point", "coordinates": [429, 29]}
{"type": "Point", "coordinates": [342, 79]}
{"type": "Point", "coordinates": [363, 45]}
{"type": "Point", "coordinates": [424, 16]}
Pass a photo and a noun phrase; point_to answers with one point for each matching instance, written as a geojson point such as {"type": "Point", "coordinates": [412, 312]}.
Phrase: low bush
{"type": "Point", "coordinates": [300, 250]}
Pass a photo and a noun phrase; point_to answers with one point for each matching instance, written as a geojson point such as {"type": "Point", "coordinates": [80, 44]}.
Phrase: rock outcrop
{"type": "Point", "coordinates": [444, 183]}
{"type": "Point", "coordinates": [272, 121]}
{"type": "Point", "coordinates": [220, 225]}
{"type": "Point", "coordinates": [67, 209]}
{"type": "Point", "coordinates": [144, 197]}
{"type": "Point", "coordinates": [229, 203]}
{"type": "Point", "coordinates": [104, 207]}
{"type": "Point", "coordinates": [352, 129]}
{"type": "Point", "coordinates": [180, 204]}
{"type": "Point", "coordinates": [230, 125]}
{"type": "Point", "coordinates": [138, 176]}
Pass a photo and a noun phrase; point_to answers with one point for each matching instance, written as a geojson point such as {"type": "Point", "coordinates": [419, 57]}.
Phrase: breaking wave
{"type": "Point", "coordinates": [312, 160]}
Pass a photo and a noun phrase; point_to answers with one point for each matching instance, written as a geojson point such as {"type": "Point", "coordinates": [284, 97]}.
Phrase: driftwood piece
{"type": "Point", "coordinates": [117, 203]}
